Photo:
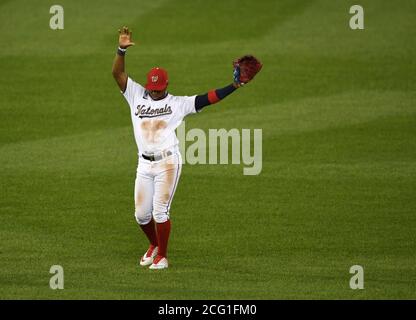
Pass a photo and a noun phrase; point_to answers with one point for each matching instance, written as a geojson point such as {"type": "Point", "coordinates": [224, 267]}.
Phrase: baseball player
{"type": "Point", "coordinates": [155, 115]}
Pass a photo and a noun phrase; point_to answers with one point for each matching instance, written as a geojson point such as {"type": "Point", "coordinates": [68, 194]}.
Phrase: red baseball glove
{"type": "Point", "coordinates": [245, 68]}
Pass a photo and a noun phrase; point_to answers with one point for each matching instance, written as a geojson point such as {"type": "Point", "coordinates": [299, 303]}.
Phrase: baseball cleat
{"type": "Point", "coordinates": [149, 256]}
{"type": "Point", "coordinates": [159, 263]}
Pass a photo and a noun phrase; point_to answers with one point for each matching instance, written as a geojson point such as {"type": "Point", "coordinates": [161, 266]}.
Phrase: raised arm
{"type": "Point", "coordinates": [213, 96]}
{"type": "Point", "coordinates": [119, 74]}
{"type": "Point", "coordinates": [245, 69]}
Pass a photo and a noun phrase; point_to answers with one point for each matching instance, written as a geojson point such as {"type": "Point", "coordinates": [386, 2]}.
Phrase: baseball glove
{"type": "Point", "coordinates": [245, 68]}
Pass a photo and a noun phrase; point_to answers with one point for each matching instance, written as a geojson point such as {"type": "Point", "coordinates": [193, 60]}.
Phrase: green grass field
{"type": "Point", "coordinates": [338, 114]}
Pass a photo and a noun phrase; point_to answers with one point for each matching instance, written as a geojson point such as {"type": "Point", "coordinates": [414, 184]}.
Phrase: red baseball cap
{"type": "Point", "coordinates": [157, 79]}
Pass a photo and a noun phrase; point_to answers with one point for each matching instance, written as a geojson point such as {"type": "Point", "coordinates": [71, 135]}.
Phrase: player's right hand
{"type": "Point", "coordinates": [124, 39]}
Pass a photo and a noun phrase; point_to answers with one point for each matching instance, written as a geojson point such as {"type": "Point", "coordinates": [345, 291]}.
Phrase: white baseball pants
{"type": "Point", "coordinates": [155, 186]}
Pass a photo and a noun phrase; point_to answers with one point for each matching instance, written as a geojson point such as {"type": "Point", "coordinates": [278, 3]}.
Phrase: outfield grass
{"type": "Point", "coordinates": [338, 114]}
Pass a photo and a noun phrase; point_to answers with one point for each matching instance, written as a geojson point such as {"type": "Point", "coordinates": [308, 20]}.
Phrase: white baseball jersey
{"type": "Point", "coordinates": [154, 122]}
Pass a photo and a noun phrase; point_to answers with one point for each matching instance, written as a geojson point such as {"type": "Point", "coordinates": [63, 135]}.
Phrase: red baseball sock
{"type": "Point", "coordinates": [150, 231]}
{"type": "Point", "coordinates": [163, 231]}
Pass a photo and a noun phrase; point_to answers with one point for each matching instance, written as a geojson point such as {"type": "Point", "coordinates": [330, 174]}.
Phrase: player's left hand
{"type": "Point", "coordinates": [245, 68]}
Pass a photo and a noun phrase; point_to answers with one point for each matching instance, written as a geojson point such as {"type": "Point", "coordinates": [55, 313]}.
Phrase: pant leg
{"type": "Point", "coordinates": [143, 193]}
{"type": "Point", "coordinates": [167, 176]}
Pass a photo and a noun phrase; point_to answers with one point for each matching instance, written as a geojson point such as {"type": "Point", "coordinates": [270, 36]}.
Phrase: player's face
{"type": "Point", "coordinates": [156, 94]}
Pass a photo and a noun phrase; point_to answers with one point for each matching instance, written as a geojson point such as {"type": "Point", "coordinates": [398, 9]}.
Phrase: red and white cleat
{"type": "Point", "coordinates": [149, 256]}
{"type": "Point", "coordinates": [159, 263]}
